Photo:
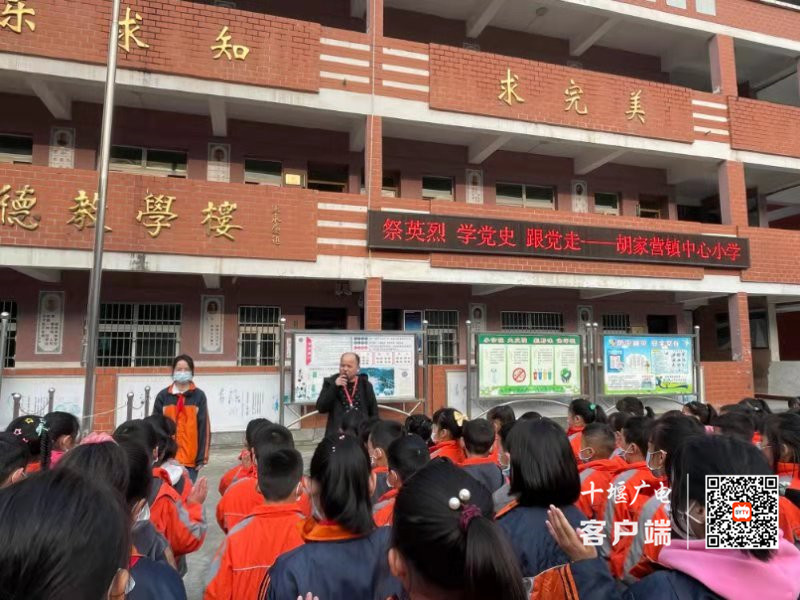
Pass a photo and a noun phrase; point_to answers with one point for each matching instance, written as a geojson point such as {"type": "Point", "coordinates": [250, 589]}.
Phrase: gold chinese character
{"type": "Point", "coordinates": [15, 9]}
{"type": "Point", "coordinates": [158, 212]}
{"type": "Point", "coordinates": [276, 225]}
{"type": "Point", "coordinates": [224, 47]}
{"type": "Point", "coordinates": [218, 219]}
{"type": "Point", "coordinates": [127, 29]}
{"type": "Point", "coordinates": [84, 213]}
{"type": "Point", "coordinates": [573, 97]}
{"type": "Point", "coordinates": [19, 209]}
{"type": "Point", "coordinates": [509, 87]}
{"type": "Point", "coordinates": [636, 109]}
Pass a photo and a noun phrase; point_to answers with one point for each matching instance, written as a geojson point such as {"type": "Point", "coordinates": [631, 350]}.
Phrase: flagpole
{"type": "Point", "coordinates": [96, 274]}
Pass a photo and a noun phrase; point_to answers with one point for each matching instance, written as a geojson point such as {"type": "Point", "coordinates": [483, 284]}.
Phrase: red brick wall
{"type": "Point", "coordinates": [542, 87]}
{"type": "Point", "coordinates": [773, 255]}
{"type": "Point", "coordinates": [373, 303]}
{"type": "Point", "coordinates": [764, 127]}
{"type": "Point", "coordinates": [283, 53]}
{"type": "Point", "coordinates": [723, 65]}
{"type": "Point", "coordinates": [727, 382]}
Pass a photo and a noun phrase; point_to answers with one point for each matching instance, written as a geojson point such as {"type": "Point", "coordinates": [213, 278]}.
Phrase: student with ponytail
{"type": "Point", "coordinates": [581, 412]}
{"type": "Point", "coordinates": [444, 543]}
{"type": "Point", "coordinates": [705, 413]}
{"type": "Point", "coordinates": [448, 426]}
{"type": "Point", "coordinates": [30, 429]}
{"type": "Point", "coordinates": [635, 407]}
{"type": "Point", "coordinates": [62, 433]}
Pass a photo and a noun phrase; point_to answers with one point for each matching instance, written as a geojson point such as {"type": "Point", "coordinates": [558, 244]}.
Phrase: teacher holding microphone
{"type": "Point", "coordinates": [348, 390]}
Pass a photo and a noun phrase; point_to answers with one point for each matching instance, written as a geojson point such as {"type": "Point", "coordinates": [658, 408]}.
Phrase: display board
{"type": "Point", "coordinates": [34, 396]}
{"type": "Point", "coordinates": [648, 365]}
{"type": "Point", "coordinates": [529, 364]}
{"type": "Point", "coordinates": [388, 359]}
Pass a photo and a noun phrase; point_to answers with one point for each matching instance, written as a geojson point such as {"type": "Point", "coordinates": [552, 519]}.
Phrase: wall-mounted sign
{"type": "Point", "coordinates": [440, 233]}
{"type": "Point", "coordinates": [50, 323]}
{"type": "Point", "coordinates": [213, 324]}
{"type": "Point", "coordinates": [62, 148]}
{"type": "Point", "coordinates": [648, 365]}
{"type": "Point", "coordinates": [474, 186]}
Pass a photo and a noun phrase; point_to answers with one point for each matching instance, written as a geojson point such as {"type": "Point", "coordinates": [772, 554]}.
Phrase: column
{"type": "Point", "coordinates": [774, 340]}
{"type": "Point", "coordinates": [373, 158]}
{"type": "Point", "coordinates": [375, 18]}
{"type": "Point", "coordinates": [763, 216]}
{"type": "Point", "coordinates": [373, 304]}
{"type": "Point", "coordinates": [732, 193]}
{"type": "Point", "coordinates": [739, 319]}
{"type": "Point", "coordinates": [723, 65]}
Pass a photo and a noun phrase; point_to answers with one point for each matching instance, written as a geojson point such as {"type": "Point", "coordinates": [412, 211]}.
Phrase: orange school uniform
{"type": "Point", "coordinates": [182, 524]}
{"type": "Point", "coordinates": [450, 449]}
{"type": "Point", "coordinates": [596, 477]}
{"type": "Point", "coordinates": [383, 511]}
{"type": "Point", "coordinates": [242, 498]}
{"type": "Point", "coordinates": [236, 473]}
{"type": "Point", "coordinates": [575, 435]}
{"type": "Point", "coordinates": [251, 548]}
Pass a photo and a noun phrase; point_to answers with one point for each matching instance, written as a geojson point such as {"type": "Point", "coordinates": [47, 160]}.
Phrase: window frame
{"type": "Point", "coordinates": [10, 358]}
{"type": "Point", "coordinates": [15, 159]}
{"type": "Point", "coordinates": [625, 318]}
{"type": "Point", "coordinates": [530, 318]}
{"type": "Point", "coordinates": [256, 181]}
{"type": "Point", "coordinates": [135, 327]}
{"type": "Point", "coordinates": [524, 201]}
{"type": "Point", "coordinates": [435, 334]}
{"type": "Point", "coordinates": [261, 330]}
{"type": "Point", "coordinates": [143, 169]}
{"type": "Point", "coordinates": [437, 196]}
{"type": "Point", "coordinates": [605, 210]}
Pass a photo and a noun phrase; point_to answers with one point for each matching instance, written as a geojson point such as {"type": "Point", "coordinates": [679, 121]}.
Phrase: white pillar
{"type": "Point", "coordinates": [772, 320]}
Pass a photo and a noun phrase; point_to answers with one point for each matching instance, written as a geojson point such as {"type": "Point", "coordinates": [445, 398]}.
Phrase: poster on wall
{"type": "Point", "coordinates": [648, 365]}
{"type": "Point", "coordinates": [514, 364]}
{"type": "Point", "coordinates": [50, 323]}
{"type": "Point", "coordinates": [388, 360]}
{"type": "Point", "coordinates": [34, 396]}
{"type": "Point", "coordinates": [212, 320]}
{"type": "Point", "coordinates": [62, 148]}
{"type": "Point", "coordinates": [474, 186]}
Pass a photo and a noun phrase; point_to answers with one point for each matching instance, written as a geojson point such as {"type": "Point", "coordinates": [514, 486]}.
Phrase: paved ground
{"type": "Point", "coordinates": [199, 562]}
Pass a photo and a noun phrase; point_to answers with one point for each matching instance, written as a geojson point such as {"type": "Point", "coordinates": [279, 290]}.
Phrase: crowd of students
{"type": "Point", "coordinates": [441, 508]}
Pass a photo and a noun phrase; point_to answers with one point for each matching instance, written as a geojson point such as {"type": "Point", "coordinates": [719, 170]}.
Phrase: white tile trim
{"type": "Point", "coordinates": [344, 207]}
{"type": "Point", "coordinates": [343, 44]}
{"type": "Point", "coordinates": [341, 242]}
{"type": "Point", "coordinates": [341, 224]}
{"type": "Point", "coordinates": [356, 62]}
{"type": "Point", "coordinates": [406, 86]}
{"type": "Point", "coordinates": [407, 70]}
{"type": "Point", "coordinates": [406, 54]}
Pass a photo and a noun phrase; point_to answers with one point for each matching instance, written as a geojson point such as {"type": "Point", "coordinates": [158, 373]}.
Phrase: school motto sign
{"type": "Point", "coordinates": [444, 233]}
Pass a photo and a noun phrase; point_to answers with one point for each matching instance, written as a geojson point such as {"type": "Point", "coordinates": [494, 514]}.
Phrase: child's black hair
{"type": "Point", "coordinates": [543, 469]}
{"type": "Point", "coordinates": [140, 477]}
{"type": "Point", "coordinates": [56, 425]}
{"type": "Point", "coordinates": [253, 426]}
{"type": "Point", "coordinates": [617, 420]}
{"type": "Point", "coordinates": [269, 438]}
{"type": "Point", "coordinates": [140, 430]}
{"type": "Point", "coordinates": [279, 472]}
{"type": "Point", "coordinates": [63, 534]}
{"type": "Point", "coordinates": [448, 419]}
{"type": "Point", "coordinates": [29, 429]}
{"type": "Point", "coordinates": [407, 455]}
{"type": "Point", "coordinates": [340, 466]}
{"type": "Point", "coordinates": [784, 430]}
{"type": "Point", "coordinates": [14, 455]}
{"type": "Point", "coordinates": [422, 425]}
{"type": "Point", "coordinates": [600, 437]}
{"type": "Point", "coordinates": [670, 432]}
{"type": "Point", "coordinates": [104, 461]}
{"type": "Point", "coordinates": [588, 411]}
{"type": "Point", "coordinates": [635, 407]}
{"type": "Point", "coordinates": [478, 436]}
{"type": "Point", "coordinates": [505, 430]}
{"type": "Point", "coordinates": [759, 409]}
{"type": "Point", "coordinates": [384, 433]}
{"type": "Point", "coordinates": [352, 421]}
{"type": "Point", "coordinates": [531, 415]}
{"type": "Point", "coordinates": [468, 558]}
{"type": "Point", "coordinates": [637, 431]}
{"type": "Point", "coordinates": [165, 430]}
{"type": "Point", "coordinates": [502, 413]}
{"type": "Point", "coordinates": [737, 424]}
{"type": "Point", "coordinates": [705, 413]}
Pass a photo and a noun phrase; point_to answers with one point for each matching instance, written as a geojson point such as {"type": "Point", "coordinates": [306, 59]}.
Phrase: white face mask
{"type": "Point", "coordinates": [144, 513]}
{"type": "Point", "coordinates": [182, 376]}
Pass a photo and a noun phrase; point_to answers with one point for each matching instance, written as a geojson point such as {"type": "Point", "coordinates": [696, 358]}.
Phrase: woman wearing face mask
{"type": "Point", "coordinates": [185, 404]}
{"type": "Point", "coordinates": [690, 571]}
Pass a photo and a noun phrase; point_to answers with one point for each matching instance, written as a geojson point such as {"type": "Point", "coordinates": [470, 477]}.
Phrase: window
{"type": "Point", "coordinates": [617, 323]}
{"type": "Point", "coordinates": [148, 161]}
{"type": "Point", "coordinates": [138, 335]}
{"type": "Point", "coordinates": [651, 207]}
{"type": "Point", "coordinates": [442, 336]}
{"type": "Point", "coordinates": [532, 321]}
{"type": "Point", "coordinates": [606, 204]}
{"type": "Point", "coordinates": [759, 329]}
{"type": "Point", "coordinates": [259, 333]}
{"type": "Point", "coordinates": [262, 172]}
{"type": "Point", "coordinates": [662, 324]}
{"type": "Point", "coordinates": [10, 307]}
{"type": "Point", "coordinates": [16, 149]}
{"type": "Point", "coordinates": [325, 318]}
{"type": "Point", "coordinates": [531, 196]}
{"type": "Point", "coordinates": [722, 326]}
{"type": "Point", "coordinates": [437, 188]}
{"type": "Point", "coordinates": [328, 178]}
{"type": "Point", "coordinates": [390, 184]}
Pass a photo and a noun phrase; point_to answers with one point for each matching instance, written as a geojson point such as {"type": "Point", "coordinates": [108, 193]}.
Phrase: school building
{"type": "Point", "coordinates": [349, 164]}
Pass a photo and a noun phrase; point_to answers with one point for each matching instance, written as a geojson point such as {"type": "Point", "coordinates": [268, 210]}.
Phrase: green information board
{"type": "Point", "coordinates": [517, 364]}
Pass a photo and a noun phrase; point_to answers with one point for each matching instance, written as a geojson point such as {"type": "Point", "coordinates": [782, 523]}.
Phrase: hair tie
{"type": "Point", "coordinates": [97, 437]}
{"type": "Point", "coordinates": [459, 417]}
{"type": "Point", "coordinates": [41, 428]}
{"type": "Point", "coordinates": [592, 407]}
{"type": "Point", "coordinates": [469, 512]}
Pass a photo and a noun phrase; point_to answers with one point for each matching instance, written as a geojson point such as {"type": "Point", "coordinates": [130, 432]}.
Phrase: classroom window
{"type": "Point", "coordinates": [10, 307]}
{"type": "Point", "coordinates": [263, 172]}
{"type": "Point", "coordinates": [390, 184]}
{"type": "Point", "coordinates": [437, 188]}
{"type": "Point", "coordinates": [327, 178]}
{"type": "Point", "coordinates": [529, 196]}
{"type": "Point", "coordinates": [722, 327]}
{"type": "Point", "coordinates": [16, 149]}
{"type": "Point", "coordinates": [616, 323]}
{"type": "Point", "coordinates": [606, 203]}
{"type": "Point", "coordinates": [148, 161]}
{"type": "Point", "coordinates": [259, 333]}
{"type": "Point", "coordinates": [531, 321]}
{"type": "Point", "coordinates": [442, 336]}
{"type": "Point", "coordinates": [138, 335]}
{"type": "Point", "coordinates": [759, 329]}
{"type": "Point", "coordinates": [651, 207]}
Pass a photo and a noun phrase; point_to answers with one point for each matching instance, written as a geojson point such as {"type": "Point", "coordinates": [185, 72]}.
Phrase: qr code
{"type": "Point", "coordinates": [742, 512]}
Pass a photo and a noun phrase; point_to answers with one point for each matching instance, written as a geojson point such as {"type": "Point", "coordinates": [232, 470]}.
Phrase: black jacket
{"type": "Point", "coordinates": [333, 401]}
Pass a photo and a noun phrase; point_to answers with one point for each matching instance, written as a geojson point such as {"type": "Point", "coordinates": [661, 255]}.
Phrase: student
{"type": "Point", "coordinates": [499, 416]}
{"type": "Point", "coordinates": [383, 434]}
{"type": "Point", "coordinates": [245, 468]}
{"type": "Point", "coordinates": [581, 412]}
{"type": "Point", "coordinates": [666, 436]}
{"type": "Point", "coordinates": [100, 457]}
{"type": "Point", "coordinates": [14, 456]}
{"type": "Point", "coordinates": [63, 535]}
{"type": "Point", "coordinates": [422, 425]}
{"type": "Point", "coordinates": [444, 543]}
{"type": "Point", "coordinates": [63, 430]}
{"type": "Point", "coordinates": [167, 450]}
{"type": "Point", "coordinates": [597, 469]}
{"type": "Point", "coordinates": [635, 407]}
{"type": "Point", "coordinates": [690, 571]}
{"type": "Point", "coordinates": [759, 410]}
{"type": "Point", "coordinates": [447, 428]}
{"type": "Point", "coordinates": [478, 441]}
{"type": "Point", "coordinates": [617, 421]}
{"type": "Point", "coordinates": [701, 411]}
{"type": "Point", "coordinates": [781, 447]}
{"type": "Point", "coordinates": [271, 529]}
{"type": "Point", "coordinates": [531, 415]}
{"type": "Point", "coordinates": [352, 421]}
{"type": "Point", "coordinates": [344, 553]}
{"type": "Point", "coordinates": [29, 428]}
{"type": "Point", "coordinates": [244, 496]}
{"type": "Point", "coordinates": [406, 455]}
{"type": "Point", "coordinates": [735, 423]}
{"type": "Point", "coordinates": [502, 497]}
{"type": "Point", "coordinates": [543, 472]}
{"type": "Point", "coordinates": [365, 429]}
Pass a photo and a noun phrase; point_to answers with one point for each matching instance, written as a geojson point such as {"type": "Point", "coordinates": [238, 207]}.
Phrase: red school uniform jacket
{"type": "Point", "coordinates": [189, 411]}
{"type": "Point", "coordinates": [181, 524]}
{"type": "Point", "coordinates": [450, 449]}
{"type": "Point", "coordinates": [597, 475]}
{"type": "Point", "coordinates": [383, 511]}
{"type": "Point", "coordinates": [235, 474]}
{"type": "Point", "coordinates": [575, 435]}
{"type": "Point", "coordinates": [242, 498]}
{"type": "Point", "coordinates": [251, 548]}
